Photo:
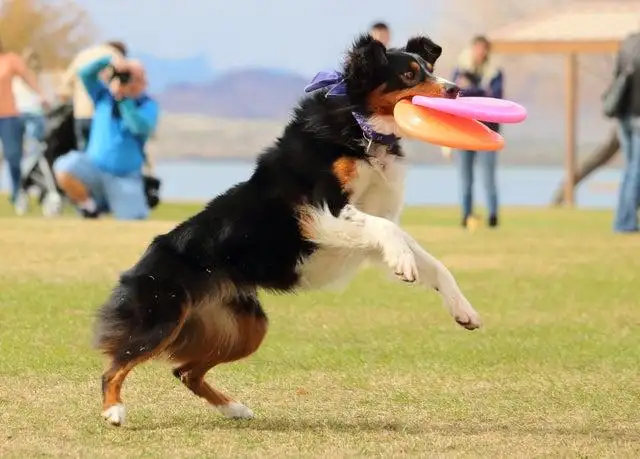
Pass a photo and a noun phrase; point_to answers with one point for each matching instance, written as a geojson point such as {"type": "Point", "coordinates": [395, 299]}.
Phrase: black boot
{"type": "Point", "coordinates": [493, 221]}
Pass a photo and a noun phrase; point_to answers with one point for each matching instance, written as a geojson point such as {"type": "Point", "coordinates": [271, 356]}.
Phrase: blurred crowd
{"type": "Point", "coordinates": [113, 117]}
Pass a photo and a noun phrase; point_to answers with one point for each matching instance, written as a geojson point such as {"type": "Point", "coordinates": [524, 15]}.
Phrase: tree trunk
{"type": "Point", "coordinates": [601, 156]}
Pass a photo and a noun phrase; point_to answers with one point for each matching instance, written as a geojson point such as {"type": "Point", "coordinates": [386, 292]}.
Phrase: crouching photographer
{"type": "Point", "coordinates": [108, 177]}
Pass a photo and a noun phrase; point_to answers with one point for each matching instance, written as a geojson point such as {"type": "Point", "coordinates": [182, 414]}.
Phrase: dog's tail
{"type": "Point", "coordinates": [141, 317]}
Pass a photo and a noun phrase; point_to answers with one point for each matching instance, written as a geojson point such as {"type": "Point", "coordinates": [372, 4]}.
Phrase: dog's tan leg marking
{"type": "Point", "coordinates": [251, 331]}
{"type": "Point", "coordinates": [112, 408]}
{"type": "Point", "coordinates": [345, 170]}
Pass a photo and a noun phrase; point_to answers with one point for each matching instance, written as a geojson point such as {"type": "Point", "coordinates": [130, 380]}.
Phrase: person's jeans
{"type": "Point", "coordinates": [12, 136]}
{"type": "Point", "coordinates": [33, 126]}
{"type": "Point", "coordinates": [121, 195]}
{"type": "Point", "coordinates": [488, 162]}
{"type": "Point", "coordinates": [82, 127]}
{"type": "Point", "coordinates": [626, 218]}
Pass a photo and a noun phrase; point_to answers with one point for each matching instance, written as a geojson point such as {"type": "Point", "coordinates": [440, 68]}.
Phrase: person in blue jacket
{"type": "Point", "coordinates": [107, 177]}
{"type": "Point", "coordinates": [478, 75]}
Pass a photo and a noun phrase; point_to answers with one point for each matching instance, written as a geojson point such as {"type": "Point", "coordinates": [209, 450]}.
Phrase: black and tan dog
{"type": "Point", "coordinates": [326, 196]}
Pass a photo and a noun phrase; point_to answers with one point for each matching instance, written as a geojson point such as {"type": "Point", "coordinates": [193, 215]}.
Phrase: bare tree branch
{"type": "Point", "coordinates": [57, 30]}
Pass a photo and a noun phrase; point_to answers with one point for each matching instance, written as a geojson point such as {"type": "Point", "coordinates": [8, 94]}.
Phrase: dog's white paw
{"type": "Point", "coordinates": [235, 410]}
{"type": "Point", "coordinates": [402, 261]}
{"type": "Point", "coordinates": [115, 414]}
{"type": "Point", "coordinates": [398, 255]}
{"type": "Point", "coordinates": [465, 315]}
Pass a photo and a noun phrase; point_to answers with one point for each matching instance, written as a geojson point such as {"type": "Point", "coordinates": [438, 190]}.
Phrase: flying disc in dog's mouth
{"type": "Point", "coordinates": [445, 129]}
{"type": "Point", "coordinates": [454, 122]}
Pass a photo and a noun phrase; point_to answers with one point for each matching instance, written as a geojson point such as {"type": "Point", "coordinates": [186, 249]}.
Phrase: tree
{"type": "Point", "coordinates": [598, 158]}
{"type": "Point", "coordinates": [55, 29]}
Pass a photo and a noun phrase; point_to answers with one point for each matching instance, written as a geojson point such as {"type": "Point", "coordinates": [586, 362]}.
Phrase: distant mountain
{"type": "Point", "coordinates": [250, 93]}
{"type": "Point", "coordinates": [164, 72]}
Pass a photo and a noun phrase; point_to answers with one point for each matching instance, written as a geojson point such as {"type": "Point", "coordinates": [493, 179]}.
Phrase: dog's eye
{"type": "Point", "coordinates": [410, 75]}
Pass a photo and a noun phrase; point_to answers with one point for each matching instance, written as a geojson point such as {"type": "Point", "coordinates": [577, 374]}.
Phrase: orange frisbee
{"type": "Point", "coordinates": [444, 129]}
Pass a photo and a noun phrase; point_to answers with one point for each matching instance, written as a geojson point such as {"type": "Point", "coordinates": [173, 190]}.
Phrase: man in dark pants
{"type": "Point", "coordinates": [628, 61]}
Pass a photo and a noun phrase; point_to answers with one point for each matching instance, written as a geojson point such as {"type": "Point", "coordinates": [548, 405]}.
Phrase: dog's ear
{"type": "Point", "coordinates": [425, 48]}
{"type": "Point", "coordinates": [366, 56]}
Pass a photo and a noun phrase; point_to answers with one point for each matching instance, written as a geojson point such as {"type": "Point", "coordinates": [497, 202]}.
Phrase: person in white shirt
{"type": "Point", "coordinates": [28, 102]}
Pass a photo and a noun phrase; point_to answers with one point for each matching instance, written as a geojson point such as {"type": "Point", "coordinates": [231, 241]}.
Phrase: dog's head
{"type": "Point", "coordinates": [377, 78]}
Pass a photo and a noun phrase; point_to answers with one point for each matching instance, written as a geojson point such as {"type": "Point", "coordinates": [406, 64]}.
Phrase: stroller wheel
{"type": "Point", "coordinates": [21, 204]}
{"type": "Point", "coordinates": [51, 205]}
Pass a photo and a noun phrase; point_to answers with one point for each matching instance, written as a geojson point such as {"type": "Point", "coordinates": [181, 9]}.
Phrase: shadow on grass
{"type": "Point", "coordinates": [367, 425]}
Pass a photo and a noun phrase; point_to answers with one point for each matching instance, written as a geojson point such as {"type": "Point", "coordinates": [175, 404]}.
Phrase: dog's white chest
{"type": "Point", "coordinates": [378, 187]}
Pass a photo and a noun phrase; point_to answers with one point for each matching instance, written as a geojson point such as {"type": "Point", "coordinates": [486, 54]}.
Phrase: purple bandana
{"type": "Point", "coordinates": [326, 79]}
{"type": "Point", "coordinates": [337, 87]}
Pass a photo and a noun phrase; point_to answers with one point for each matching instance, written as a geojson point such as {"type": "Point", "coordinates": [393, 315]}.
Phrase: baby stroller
{"type": "Point", "coordinates": [37, 168]}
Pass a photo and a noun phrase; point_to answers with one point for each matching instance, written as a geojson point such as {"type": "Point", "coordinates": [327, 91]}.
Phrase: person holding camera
{"type": "Point", "coordinates": [72, 89]}
{"type": "Point", "coordinates": [108, 176]}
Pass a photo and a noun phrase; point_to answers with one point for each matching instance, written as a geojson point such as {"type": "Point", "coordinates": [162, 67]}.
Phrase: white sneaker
{"type": "Point", "coordinates": [21, 204]}
{"type": "Point", "coordinates": [51, 205]}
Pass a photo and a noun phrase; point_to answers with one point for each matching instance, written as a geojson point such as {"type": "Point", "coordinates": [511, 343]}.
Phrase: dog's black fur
{"type": "Point", "coordinates": [250, 237]}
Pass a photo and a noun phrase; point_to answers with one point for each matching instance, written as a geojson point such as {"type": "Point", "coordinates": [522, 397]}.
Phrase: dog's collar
{"type": "Point", "coordinates": [371, 135]}
{"type": "Point", "coordinates": [337, 87]}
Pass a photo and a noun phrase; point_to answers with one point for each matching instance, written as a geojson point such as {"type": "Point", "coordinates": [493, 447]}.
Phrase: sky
{"type": "Point", "coordinates": [301, 35]}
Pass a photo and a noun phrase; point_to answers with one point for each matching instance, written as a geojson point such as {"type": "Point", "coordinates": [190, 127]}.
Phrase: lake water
{"type": "Point", "coordinates": [425, 185]}
{"type": "Point", "coordinates": [193, 180]}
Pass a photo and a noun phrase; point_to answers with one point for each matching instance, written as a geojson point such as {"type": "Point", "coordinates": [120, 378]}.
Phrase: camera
{"type": "Point", "coordinates": [124, 76]}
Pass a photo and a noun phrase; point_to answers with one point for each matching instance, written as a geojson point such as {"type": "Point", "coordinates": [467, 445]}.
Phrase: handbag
{"type": "Point", "coordinates": [151, 190]}
{"type": "Point", "coordinates": [150, 183]}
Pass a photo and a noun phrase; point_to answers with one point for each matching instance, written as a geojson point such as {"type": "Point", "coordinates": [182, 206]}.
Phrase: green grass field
{"type": "Point", "coordinates": [379, 370]}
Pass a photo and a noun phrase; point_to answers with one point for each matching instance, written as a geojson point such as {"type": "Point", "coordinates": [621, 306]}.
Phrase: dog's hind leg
{"type": "Point", "coordinates": [250, 328]}
{"type": "Point", "coordinates": [140, 321]}
{"type": "Point", "coordinates": [114, 376]}
{"type": "Point", "coordinates": [193, 379]}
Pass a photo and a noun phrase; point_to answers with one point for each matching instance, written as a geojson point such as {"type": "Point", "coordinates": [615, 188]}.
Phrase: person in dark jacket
{"type": "Point", "coordinates": [478, 75]}
{"type": "Point", "coordinates": [628, 60]}
{"type": "Point", "coordinates": [381, 32]}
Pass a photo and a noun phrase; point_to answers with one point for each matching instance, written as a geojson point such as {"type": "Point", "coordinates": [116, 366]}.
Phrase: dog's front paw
{"type": "Point", "coordinates": [470, 321]}
{"type": "Point", "coordinates": [402, 261]}
{"type": "Point", "coordinates": [464, 314]}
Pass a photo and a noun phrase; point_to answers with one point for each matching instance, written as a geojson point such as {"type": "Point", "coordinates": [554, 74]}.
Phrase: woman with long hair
{"type": "Point", "coordinates": [478, 75]}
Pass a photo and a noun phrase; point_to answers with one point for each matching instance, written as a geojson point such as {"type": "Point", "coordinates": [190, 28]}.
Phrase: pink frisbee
{"type": "Point", "coordinates": [477, 108]}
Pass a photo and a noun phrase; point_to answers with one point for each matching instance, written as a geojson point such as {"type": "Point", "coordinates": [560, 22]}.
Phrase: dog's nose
{"type": "Point", "coordinates": [450, 90]}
